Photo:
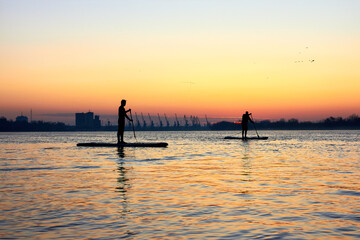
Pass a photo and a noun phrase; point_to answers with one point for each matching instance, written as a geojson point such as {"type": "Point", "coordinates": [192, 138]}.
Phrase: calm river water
{"type": "Point", "coordinates": [296, 185]}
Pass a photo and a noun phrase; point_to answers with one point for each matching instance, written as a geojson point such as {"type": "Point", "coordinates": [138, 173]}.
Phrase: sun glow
{"type": "Point", "coordinates": [219, 69]}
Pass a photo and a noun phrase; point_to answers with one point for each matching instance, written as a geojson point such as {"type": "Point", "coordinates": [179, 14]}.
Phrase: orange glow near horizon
{"type": "Point", "coordinates": [220, 72]}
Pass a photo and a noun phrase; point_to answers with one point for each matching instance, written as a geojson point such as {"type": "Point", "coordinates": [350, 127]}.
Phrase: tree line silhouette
{"type": "Point", "coordinates": [330, 123]}
{"type": "Point", "coordinates": [34, 126]}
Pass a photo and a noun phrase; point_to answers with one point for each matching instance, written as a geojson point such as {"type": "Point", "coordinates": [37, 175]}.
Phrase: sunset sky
{"type": "Point", "coordinates": [277, 59]}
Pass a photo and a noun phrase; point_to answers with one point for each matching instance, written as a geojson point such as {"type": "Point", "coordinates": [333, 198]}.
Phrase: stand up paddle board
{"type": "Point", "coordinates": [150, 144]}
{"type": "Point", "coordinates": [247, 138]}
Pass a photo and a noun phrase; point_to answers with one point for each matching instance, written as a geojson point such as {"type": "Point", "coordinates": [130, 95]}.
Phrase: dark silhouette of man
{"type": "Point", "coordinates": [121, 121]}
{"type": "Point", "coordinates": [244, 123]}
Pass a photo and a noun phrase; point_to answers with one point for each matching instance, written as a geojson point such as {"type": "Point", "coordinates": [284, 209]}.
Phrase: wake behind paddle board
{"type": "Point", "coordinates": [247, 138]}
{"type": "Point", "coordinates": [97, 144]}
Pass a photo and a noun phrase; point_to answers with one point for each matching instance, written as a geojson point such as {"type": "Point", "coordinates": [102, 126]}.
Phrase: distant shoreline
{"type": "Point", "coordinates": [350, 123]}
{"type": "Point", "coordinates": [220, 130]}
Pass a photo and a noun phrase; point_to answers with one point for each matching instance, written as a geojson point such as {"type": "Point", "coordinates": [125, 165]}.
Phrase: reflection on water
{"type": "Point", "coordinates": [121, 152]}
{"type": "Point", "coordinates": [122, 183]}
{"type": "Point", "coordinates": [296, 185]}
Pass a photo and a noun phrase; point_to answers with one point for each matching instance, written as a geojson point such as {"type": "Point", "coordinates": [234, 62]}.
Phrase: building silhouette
{"type": "Point", "coordinates": [87, 121]}
{"type": "Point", "coordinates": [22, 119]}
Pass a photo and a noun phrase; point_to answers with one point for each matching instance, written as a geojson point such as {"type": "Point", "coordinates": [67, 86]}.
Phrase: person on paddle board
{"type": "Point", "coordinates": [244, 123]}
{"type": "Point", "coordinates": [121, 121]}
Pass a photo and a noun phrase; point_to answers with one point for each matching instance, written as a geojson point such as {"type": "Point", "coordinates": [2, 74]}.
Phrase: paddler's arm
{"type": "Point", "coordinates": [127, 115]}
{"type": "Point", "coordinates": [250, 118]}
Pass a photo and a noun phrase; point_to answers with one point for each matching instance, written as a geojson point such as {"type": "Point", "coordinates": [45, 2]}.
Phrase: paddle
{"type": "Point", "coordinates": [254, 125]}
{"type": "Point", "coordinates": [132, 124]}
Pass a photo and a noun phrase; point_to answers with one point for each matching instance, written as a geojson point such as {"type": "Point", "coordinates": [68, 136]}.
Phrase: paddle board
{"type": "Point", "coordinates": [248, 138]}
{"type": "Point", "coordinates": [143, 144]}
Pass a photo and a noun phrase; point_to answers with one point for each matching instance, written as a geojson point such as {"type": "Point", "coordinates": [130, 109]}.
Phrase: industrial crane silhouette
{"type": "Point", "coordinates": [207, 122]}
{"type": "Point", "coordinates": [160, 122]}
{"type": "Point", "coordinates": [186, 121]}
{"type": "Point", "coordinates": [151, 121]}
{"type": "Point", "coordinates": [176, 123]}
{"type": "Point", "coordinates": [144, 122]}
{"type": "Point", "coordinates": [137, 121]}
{"type": "Point", "coordinates": [195, 121]}
{"type": "Point", "coordinates": [167, 121]}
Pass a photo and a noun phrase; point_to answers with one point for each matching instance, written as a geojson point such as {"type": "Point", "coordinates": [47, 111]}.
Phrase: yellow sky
{"type": "Point", "coordinates": [274, 70]}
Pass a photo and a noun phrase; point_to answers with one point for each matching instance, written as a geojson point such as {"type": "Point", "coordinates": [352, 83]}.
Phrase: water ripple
{"type": "Point", "coordinates": [296, 185]}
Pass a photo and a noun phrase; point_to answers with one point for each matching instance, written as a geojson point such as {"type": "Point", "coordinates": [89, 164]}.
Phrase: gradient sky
{"type": "Point", "coordinates": [277, 59]}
